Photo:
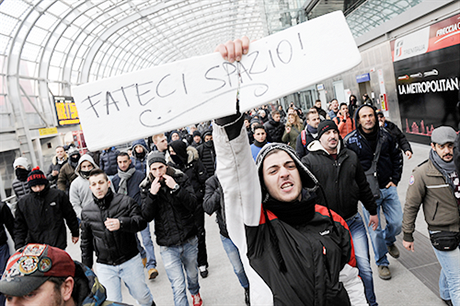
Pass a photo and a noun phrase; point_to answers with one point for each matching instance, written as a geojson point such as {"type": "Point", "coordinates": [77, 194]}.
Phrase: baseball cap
{"type": "Point", "coordinates": [33, 265]}
{"type": "Point", "coordinates": [443, 134]}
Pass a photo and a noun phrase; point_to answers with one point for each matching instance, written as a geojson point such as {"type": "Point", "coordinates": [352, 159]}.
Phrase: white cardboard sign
{"type": "Point", "coordinates": [143, 103]}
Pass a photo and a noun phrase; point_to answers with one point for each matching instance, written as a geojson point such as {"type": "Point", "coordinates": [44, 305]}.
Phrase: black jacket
{"type": "Point", "coordinates": [208, 156]}
{"type": "Point", "coordinates": [7, 219]}
{"type": "Point", "coordinates": [55, 165]}
{"type": "Point", "coordinates": [112, 248]}
{"type": "Point", "coordinates": [214, 202]}
{"type": "Point", "coordinates": [40, 219]}
{"type": "Point", "coordinates": [300, 148]}
{"type": "Point", "coordinates": [398, 136]}
{"type": "Point", "coordinates": [189, 163]}
{"type": "Point", "coordinates": [343, 181]}
{"type": "Point", "coordinates": [275, 130]}
{"type": "Point", "coordinates": [172, 210]}
{"type": "Point", "coordinates": [389, 166]}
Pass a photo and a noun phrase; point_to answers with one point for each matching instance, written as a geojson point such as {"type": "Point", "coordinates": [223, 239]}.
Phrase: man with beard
{"type": "Point", "coordinates": [59, 160]}
{"type": "Point", "coordinates": [67, 173]}
{"type": "Point", "coordinates": [186, 159]}
{"type": "Point", "coordinates": [108, 227]}
{"type": "Point", "coordinates": [127, 182]}
{"type": "Point", "coordinates": [39, 274]}
{"type": "Point", "coordinates": [274, 127]}
{"type": "Point", "coordinates": [22, 170]}
{"type": "Point", "coordinates": [168, 197]}
{"type": "Point", "coordinates": [370, 142]}
{"type": "Point", "coordinates": [339, 172]}
{"type": "Point", "coordinates": [293, 250]}
{"type": "Point", "coordinates": [40, 215]}
{"type": "Point", "coordinates": [435, 185]}
{"type": "Point", "coordinates": [308, 134]}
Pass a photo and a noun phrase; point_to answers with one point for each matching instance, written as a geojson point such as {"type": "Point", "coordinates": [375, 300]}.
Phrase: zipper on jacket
{"type": "Point", "coordinates": [435, 211]}
{"type": "Point", "coordinates": [326, 261]}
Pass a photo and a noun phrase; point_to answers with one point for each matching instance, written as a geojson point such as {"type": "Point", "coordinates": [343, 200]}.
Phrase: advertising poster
{"type": "Point", "coordinates": [427, 73]}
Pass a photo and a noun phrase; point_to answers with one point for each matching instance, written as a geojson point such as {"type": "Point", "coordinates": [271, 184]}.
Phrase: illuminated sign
{"type": "Point", "coordinates": [66, 111]}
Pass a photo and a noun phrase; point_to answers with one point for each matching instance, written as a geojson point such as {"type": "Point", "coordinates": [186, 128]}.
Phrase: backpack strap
{"type": "Point", "coordinates": [303, 135]}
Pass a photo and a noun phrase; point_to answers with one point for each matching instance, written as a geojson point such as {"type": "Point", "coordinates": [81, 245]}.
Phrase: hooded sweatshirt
{"type": "Point", "coordinates": [139, 159]}
{"type": "Point", "coordinates": [80, 194]}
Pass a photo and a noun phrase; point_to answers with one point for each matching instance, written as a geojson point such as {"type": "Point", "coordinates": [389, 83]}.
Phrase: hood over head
{"type": "Point", "coordinates": [309, 181]}
{"type": "Point", "coordinates": [180, 148]}
{"type": "Point", "coordinates": [82, 159]}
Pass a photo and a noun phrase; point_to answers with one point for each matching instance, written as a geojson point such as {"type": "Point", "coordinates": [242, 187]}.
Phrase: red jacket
{"type": "Point", "coordinates": [345, 126]}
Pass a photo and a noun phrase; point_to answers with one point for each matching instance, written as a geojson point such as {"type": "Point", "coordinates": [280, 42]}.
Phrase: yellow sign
{"type": "Point", "coordinates": [66, 111]}
{"type": "Point", "coordinates": [47, 131]}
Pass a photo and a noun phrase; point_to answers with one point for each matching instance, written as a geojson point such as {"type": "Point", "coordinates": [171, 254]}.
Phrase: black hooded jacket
{"type": "Point", "coordinates": [40, 219]}
{"type": "Point", "coordinates": [187, 160]}
{"type": "Point", "coordinates": [6, 220]}
{"type": "Point", "coordinates": [389, 166]}
{"type": "Point", "coordinates": [343, 180]}
{"type": "Point", "coordinates": [111, 247]}
{"type": "Point", "coordinates": [171, 209]}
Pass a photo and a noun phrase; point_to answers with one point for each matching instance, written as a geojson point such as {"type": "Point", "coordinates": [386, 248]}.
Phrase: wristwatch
{"type": "Point", "coordinates": [176, 187]}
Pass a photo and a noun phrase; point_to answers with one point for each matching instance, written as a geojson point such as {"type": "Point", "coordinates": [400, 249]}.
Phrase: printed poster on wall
{"type": "Point", "coordinates": [427, 72]}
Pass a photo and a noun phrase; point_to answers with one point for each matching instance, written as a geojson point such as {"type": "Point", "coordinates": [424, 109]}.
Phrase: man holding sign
{"type": "Point", "coordinates": [290, 242]}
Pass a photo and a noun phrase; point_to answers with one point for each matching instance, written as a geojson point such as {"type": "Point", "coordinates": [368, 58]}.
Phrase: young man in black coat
{"type": "Point", "coordinates": [397, 134]}
{"type": "Point", "coordinates": [342, 177]}
{"type": "Point", "coordinates": [108, 227]}
{"type": "Point", "coordinates": [127, 182]}
{"type": "Point", "coordinates": [169, 198]}
{"type": "Point", "coordinates": [40, 215]}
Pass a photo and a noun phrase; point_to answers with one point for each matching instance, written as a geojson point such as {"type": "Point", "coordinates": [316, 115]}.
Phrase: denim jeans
{"type": "Point", "coordinates": [132, 274]}
{"type": "Point", "coordinates": [148, 246]}
{"type": "Point", "coordinates": [176, 259]}
{"type": "Point", "coordinates": [234, 256]}
{"type": "Point", "coordinates": [449, 280]}
{"type": "Point", "coordinates": [361, 246]}
{"type": "Point", "coordinates": [389, 203]}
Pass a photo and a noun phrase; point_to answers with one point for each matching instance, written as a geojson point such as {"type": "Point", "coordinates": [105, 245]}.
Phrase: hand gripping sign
{"type": "Point", "coordinates": [146, 102]}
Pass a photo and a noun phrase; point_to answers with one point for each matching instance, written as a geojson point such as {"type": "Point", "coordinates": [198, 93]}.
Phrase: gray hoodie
{"type": "Point", "coordinates": [79, 192]}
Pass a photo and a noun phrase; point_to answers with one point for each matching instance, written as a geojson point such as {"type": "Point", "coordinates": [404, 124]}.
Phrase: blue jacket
{"type": "Point", "coordinates": [389, 166]}
{"type": "Point", "coordinates": [133, 184]}
{"type": "Point", "coordinates": [139, 161]}
{"type": "Point", "coordinates": [108, 161]}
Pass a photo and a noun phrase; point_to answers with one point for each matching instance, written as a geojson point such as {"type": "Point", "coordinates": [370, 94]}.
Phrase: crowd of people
{"type": "Point", "coordinates": [285, 188]}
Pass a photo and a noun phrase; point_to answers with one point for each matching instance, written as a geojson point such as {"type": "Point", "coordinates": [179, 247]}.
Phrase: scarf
{"type": "Point", "coordinates": [22, 174]}
{"type": "Point", "coordinates": [104, 203]}
{"type": "Point", "coordinates": [294, 213]}
{"type": "Point", "coordinates": [446, 168]}
{"type": "Point", "coordinates": [260, 144]}
{"type": "Point", "coordinates": [124, 177]}
{"type": "Point", "coordinates": [313, 131]}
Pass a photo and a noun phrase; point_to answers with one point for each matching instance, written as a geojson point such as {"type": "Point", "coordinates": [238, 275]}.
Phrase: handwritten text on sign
{"type": "Point", "coordinates": [143, 103]}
